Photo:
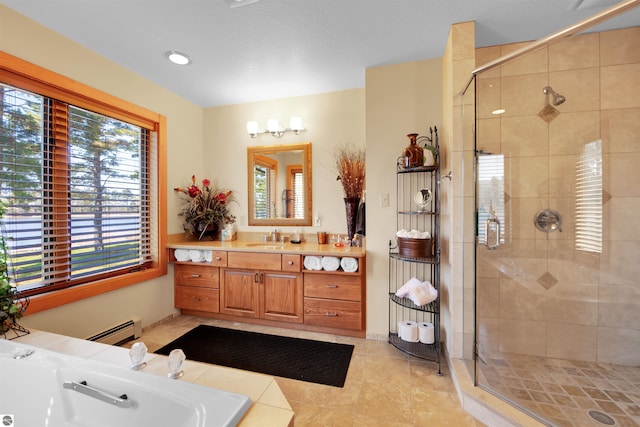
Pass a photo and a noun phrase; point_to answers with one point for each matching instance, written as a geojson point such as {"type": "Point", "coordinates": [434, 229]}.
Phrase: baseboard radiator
{"type": "Point", "coordinates": [117, 334]}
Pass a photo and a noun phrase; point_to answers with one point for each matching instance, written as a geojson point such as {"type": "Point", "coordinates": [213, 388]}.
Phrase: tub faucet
{"type": "Point", "coordinates": [137, 353]}
{"type": "Point", "coordinates": [176, 359]}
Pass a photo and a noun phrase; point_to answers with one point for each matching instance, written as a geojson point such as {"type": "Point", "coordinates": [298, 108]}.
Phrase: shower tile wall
{"type": "Point", "coordinates": [537, 294]}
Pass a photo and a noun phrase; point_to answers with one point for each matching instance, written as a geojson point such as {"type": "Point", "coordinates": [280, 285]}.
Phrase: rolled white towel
{"type": "Point", "coordinates": [196, 255]}
{"type": "Point", "coordinates": [182, 255]}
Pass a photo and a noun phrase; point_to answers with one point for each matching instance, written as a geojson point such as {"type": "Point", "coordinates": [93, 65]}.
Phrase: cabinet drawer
{"type": "Point", "coordinates": [334, 286]}
{"type": "Point", "coordinates": [291, 262]}
{"type": "Point", "coordinates": [219, 258]}
{"type": "Point", "coordinates": [201, 299]}
{"type": "Point", "coordinates": [333, 314]}
{"type": "Point", "coordinates": [254, 260]}
{"type": "Point", "coordinates": [197, 275]}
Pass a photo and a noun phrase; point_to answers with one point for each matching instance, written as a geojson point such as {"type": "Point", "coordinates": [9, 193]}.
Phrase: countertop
{"type": "Point", "coordinates": [251, 242]}
{"type": "Point", "coordinates": [269, 406]}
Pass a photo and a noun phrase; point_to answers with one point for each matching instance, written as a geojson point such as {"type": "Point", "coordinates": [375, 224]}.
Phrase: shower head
{"type": "Point", "coordinates": [557, 98]}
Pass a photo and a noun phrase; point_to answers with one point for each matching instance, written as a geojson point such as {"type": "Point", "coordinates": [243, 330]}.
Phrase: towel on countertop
{"type": "Point", "coordinates": [420, 293]}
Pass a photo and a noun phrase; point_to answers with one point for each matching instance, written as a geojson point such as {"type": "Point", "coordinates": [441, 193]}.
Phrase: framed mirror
{"type": "Point", "coordinates": [279, 184]}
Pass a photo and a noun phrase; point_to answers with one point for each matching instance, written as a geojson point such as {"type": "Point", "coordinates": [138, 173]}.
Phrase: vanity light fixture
{"type": "Point", "coordinates": [274, 128]}
{"type": "Point", "coordinates": [178, 58]}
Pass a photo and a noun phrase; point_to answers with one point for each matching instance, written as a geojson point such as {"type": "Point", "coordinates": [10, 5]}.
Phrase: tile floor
{"type": "Point", "coordinates": [384, 386]}
{"type": "Point", "coordinates": [564, 391]}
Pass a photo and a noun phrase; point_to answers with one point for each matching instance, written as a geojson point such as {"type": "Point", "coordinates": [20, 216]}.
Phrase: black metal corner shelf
{"type": "Point", "coordinates": [428, 260]}
{"type": "Point", "coordinates": [432, 168]}
{"type": "Point", "coordinates": [418, 349]}
{"type": "Point", "coordinates": [432, 307]}
{"type": "Point", "coordinates": [417, 213]}
{"type": "Point", "coordinates": [410, 215]}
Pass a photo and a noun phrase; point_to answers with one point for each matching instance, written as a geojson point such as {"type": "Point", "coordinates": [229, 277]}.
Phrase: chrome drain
{"type": "Point", "coordinates": [602, 418]}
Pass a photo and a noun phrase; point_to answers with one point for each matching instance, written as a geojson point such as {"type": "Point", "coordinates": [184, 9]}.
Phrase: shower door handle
{"type": "Point", "coordinates": [492, 233]}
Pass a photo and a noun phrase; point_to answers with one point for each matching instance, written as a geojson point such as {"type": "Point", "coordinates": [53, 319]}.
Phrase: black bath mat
{"type": "Point", "coordinates": [300, 359]}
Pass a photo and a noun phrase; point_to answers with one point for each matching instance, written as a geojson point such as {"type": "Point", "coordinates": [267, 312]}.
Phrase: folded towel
{"type": "Point", "coordinates": [403, 292]}
{"type": "Point", "coordinates": [420, 293]}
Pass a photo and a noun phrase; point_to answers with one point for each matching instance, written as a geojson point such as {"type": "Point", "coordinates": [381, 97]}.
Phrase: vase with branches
{"type": "Point", "coordinates": [350, 166]}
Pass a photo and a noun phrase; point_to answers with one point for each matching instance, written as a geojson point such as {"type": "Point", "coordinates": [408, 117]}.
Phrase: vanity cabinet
{"type": "Point", "coordinates": [197, 287]}
{"type": "Point", "coordinates": [271, 288]}
{"type": "Point", "coordinates": [262, 285]}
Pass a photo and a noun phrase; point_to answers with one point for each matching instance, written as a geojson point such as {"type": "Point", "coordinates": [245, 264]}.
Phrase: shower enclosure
{"type": "Point", "coordinates": [557, 176]}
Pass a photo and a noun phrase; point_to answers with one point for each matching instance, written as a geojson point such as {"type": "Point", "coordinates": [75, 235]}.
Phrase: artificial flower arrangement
{"type": "Point", "coordinates": [205, 209]}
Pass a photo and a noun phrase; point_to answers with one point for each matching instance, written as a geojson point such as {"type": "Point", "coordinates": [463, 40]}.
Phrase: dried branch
{"type": "Point", "coordinates": [351, 169]}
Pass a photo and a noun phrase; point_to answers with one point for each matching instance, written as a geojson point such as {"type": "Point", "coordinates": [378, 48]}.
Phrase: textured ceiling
{"type": "Point", "coordinates": [280, 48]}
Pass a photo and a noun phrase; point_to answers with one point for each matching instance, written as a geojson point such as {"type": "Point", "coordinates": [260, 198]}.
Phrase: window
{"type": "Point", "coordinates": [295, 189]}
{"type": "Point", "coordinates": [264, 185]}
{"type": "Point", "coordinates": [79, 176]}
{"type": "Point", "coordinates": [589, 198]}
{"type": "Point", "coordinates": [490, 192]}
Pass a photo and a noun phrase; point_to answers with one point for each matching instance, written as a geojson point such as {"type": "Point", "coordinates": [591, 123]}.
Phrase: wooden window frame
{"type": "Point", "coordinates": [27, 76]}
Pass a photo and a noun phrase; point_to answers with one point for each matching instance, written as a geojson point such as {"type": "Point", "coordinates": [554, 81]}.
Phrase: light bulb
{"type": "Point", "coordinates": [252, 129]}
{"type": "Point", "coordinates": [296, 124]}
{"type": "Point", "coordinates": [273, 125]}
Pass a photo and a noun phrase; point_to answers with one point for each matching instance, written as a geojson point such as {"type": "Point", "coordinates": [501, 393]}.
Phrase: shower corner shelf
{"type": "Point", "coordinates": [402, 268]}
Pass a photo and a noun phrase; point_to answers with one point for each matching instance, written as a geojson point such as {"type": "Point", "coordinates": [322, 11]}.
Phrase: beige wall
{"type": "Point", "coordinates": [330, 119]}
{"type": "Point", "coordinates": [538, 294]}
{"type": "Point", "coordinates": [400, 99]}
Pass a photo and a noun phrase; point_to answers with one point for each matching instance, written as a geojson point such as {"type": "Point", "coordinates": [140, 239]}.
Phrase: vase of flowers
{"type": "Point", "coordinates": [351, 171]}
{"type": "Point", "coordinates": [205, 209]}
{"type": "Point", "coordinates": [12, 307]}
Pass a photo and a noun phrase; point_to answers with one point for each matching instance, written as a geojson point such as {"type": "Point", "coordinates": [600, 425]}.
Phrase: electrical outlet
{"type": "Point", "coordinates": [384, 200]}
{"type": "Point", "coordinates": [316, 221]}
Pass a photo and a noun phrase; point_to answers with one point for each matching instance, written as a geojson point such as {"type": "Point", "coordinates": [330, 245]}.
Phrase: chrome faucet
{"type": "Point", "coordinates": [274, 236]}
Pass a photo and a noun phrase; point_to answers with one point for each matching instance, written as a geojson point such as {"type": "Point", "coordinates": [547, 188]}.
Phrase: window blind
{"type": "Point", "coordinates": [298, 195]}
{"type": "Point", "coordinates": [589, 198]}
{"type": "Point", "coordinates": [77, 186]}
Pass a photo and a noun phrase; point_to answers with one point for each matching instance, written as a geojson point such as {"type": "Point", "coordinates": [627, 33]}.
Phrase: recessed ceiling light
{"type": "Point", "coordinates": [499, 111]}
{"type": "Point", "coordinates": [178, 57]}
{"type": "Point", "coordinates": [238, 3]}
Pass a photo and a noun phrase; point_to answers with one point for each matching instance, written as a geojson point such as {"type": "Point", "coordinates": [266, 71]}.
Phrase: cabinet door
{"type": "Point", "coordinates": [239, 293]}
{"type": "Point", "coordinates": [282, 296]}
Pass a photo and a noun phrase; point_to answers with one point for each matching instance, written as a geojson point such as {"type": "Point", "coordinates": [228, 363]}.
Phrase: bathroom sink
{"type": "Point", "coordinates": [264, 245]}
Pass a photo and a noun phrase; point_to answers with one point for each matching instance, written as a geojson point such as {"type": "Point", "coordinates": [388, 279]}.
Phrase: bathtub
{"type": "Point", "coordinates": [39, 387]}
